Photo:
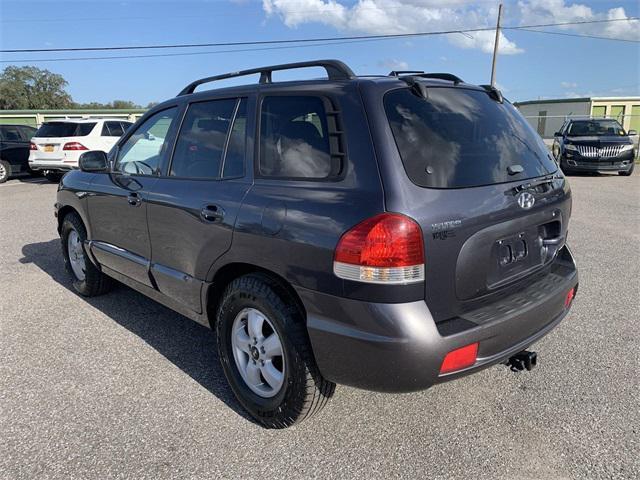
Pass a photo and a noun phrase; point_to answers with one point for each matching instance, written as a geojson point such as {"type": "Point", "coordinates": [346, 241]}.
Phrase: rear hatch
{"type": "Point", "coordinates": [490, 200]}
{"type": "Point", "coordinates": [51, 138]}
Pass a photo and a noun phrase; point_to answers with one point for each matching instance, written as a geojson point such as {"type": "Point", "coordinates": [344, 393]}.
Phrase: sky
{"type": "Point", "coordinates": [530, 65]}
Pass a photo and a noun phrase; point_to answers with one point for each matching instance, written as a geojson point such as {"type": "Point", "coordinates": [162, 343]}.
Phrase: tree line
{"type": "Point", "coordinates": [32, 88]}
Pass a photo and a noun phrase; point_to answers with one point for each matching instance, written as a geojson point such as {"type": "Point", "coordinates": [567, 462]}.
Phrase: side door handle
{"type": "Point", "coordinates": [212, 213]}
{"type": "Point", "coordinates": [134, 199]}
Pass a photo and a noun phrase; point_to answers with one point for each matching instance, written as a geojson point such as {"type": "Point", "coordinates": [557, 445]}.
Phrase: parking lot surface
{"type": "Point", "coordinates": [121, 387]}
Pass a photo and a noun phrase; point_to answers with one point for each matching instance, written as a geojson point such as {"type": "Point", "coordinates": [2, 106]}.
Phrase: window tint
{"type": "Point", "coordinates": [112, 129]}
{"type": "Point", "coordinates": [64, 129]}
{"type": "Point", "coordinates": [462, 138]}
{"type": "Point", "coordinates": [201, 141]}
{"type": "Point", "coordinates": [27, 132]}
{"type": "Point", "coordinates": [234, 160]}
{"type": "Point", "coordinates": [10, 134]}
{"type": "Point", "coordinates": [293, 138]}
{"type": "Point", "coordinates": [143, 151]}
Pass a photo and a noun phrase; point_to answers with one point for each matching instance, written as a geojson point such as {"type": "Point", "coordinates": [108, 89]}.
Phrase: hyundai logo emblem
{"type": "Point", "coordinates": [526, 200]}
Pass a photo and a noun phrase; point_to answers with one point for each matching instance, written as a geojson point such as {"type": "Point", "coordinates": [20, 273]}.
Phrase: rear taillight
{"type": "Point", "coordinates": [32, 146]}
{"type": "Point", "coordinates": [569, 298]}
{"type": "Point", "coordinates": [460, 358]}
{"type": "Point", "coordinates": [387, 249]}
{"type": "Point", "coordinates": [74, 146]}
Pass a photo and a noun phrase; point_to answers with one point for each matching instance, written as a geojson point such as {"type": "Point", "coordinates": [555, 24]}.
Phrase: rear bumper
{"type": "Point", "coordinates": [399, 347]}
{"type": "Point", "coordinates": [67, 161]}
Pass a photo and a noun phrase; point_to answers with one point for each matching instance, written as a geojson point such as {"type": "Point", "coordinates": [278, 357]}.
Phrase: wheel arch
{"type": "Point", "coordinates": [229, 272]}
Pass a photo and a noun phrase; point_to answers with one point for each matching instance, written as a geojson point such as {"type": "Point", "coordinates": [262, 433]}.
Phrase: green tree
{"type": "Point", "coordinates": [32, 88]}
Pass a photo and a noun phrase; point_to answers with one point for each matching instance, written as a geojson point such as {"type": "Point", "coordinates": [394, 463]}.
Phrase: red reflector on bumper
{"type": "Point", "coordinates": [460, 358]}
{"type": "Point", "coordinates": [569, 298]}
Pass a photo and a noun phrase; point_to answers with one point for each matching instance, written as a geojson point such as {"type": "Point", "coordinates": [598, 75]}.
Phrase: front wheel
{"type": "Point", "coordinates": [266, 355]}
{"type": "Point", "coordinates": [5, 171]}
{"type": "Point", "coordinates": [87, 279]}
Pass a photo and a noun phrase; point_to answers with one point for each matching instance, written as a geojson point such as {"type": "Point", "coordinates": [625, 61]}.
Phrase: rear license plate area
{"type": "Point", "coordinates": [513, 256]}
{"type": "Point", "coordinates": [49, 148]}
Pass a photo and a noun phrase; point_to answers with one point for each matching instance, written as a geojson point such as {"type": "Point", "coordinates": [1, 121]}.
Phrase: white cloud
{"type": "Point", "coordinates": [377, 17]}
{"type": "Point", "coordinates": [559, 11]}
{"type": "Point", "coordinates": [393, 64]}
{"type": "Point", "coordinates": [568, 84]}
{"type": "Point", "coordinates": [382, 17]}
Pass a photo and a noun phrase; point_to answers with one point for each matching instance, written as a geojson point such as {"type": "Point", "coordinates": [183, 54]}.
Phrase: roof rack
{"type": "Point", "coordinates": [336, 70]}
{"type": "Point", "coordinates": [418, 73]}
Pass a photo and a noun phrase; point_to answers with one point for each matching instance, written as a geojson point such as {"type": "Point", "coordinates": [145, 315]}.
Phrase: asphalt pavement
{"type": "Point", "coordinates": [121, 387]}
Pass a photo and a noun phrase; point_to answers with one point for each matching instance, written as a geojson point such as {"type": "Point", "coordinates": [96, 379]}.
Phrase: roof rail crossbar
{"type": "Point", "coordinates": [443, 76]}
{"type": "Point", "coordinates": [397, 73]}
{"type": "Point", "coordinates": [336, 70]}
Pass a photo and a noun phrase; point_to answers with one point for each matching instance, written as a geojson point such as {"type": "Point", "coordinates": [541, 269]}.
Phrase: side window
{"type": "Point", "coordinates": [27, 133]}
{"type": "Point", "coordinates": [201, 141]}
{"type": "Point", "coordinates": [11, 134]}
{"type": "Point", "coordinates": [294, 140]}
{"type": "Point", "coordinates": [125, 126]}
{"type": "Point", "coordinates": [234, 159]}
{"type": "Point", "coordinates": [112, 129]}
{"type": "Point", "coordinates": [142, 153]}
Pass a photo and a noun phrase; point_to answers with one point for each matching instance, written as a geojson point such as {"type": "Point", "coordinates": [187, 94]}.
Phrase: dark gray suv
{"type": "Point", "coordinates": [388, 233]}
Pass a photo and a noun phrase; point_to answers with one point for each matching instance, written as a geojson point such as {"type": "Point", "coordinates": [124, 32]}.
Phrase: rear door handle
{"type": "Point", "coordinates": [212, 213]}
{"type": "Point", "coordinates": [134, 199]}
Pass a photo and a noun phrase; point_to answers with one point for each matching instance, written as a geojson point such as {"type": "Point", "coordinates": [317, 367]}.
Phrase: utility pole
{"type": "Point", "coordinates": [495, 48]}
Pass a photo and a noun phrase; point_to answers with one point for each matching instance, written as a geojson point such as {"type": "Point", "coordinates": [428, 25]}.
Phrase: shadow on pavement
{"type": "Point", "coordinates": [188, 345]}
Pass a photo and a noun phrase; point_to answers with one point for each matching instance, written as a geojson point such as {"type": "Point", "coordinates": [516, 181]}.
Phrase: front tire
{"type": "Point", "coordinates": [88, 281]}
{"type": "Point", "coordinates": [266, 355]}
{"type": "Point", "coordinates": [5, 171]}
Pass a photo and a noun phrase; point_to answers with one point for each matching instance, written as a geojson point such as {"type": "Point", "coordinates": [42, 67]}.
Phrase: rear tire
{"type": "Point", "coordinates": [5, 171]}
{"type": "Point", "coordinates": [629, 172]}
{"type": "Point", "coordinates": [88, 281]}
{"type": "Point", "coordinates": [303, 391]}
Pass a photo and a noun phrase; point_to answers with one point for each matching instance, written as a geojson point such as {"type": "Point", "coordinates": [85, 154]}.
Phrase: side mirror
{"type": "Point", "coordinates": [632, 133]}
{"type": "Point", "coordinates": [557, 134]}
{"type": "Point", "coordinates": [94, 161]}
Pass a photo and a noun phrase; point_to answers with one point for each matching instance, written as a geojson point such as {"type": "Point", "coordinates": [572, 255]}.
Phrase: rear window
{"type": "Point", "coordinates": [462, 138]}
{"type": "Point", "coordinates": [64, 129]}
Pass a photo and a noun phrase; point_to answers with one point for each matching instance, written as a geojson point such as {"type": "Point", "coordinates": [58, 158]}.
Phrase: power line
{"type": "Point", "coordinates": [184, 54]}
{"type": "Point", "coordinates": [579, 35]}
{"type": "Point", "coordinates": [306, 40]}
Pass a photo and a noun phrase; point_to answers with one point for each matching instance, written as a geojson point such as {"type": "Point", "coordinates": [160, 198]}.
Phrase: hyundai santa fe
{"type": "Point", "coordinates": [388, 233]}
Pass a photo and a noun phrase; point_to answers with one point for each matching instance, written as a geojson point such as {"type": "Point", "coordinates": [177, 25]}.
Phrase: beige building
{"type": "Point", "coordinates": [547, 116]}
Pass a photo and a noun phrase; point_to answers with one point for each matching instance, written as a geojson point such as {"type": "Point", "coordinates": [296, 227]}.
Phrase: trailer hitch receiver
{"type": "Point", "coordinates": [524, 360]}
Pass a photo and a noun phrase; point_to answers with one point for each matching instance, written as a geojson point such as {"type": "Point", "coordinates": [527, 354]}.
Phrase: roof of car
{"type": "Point", "coordinates": [87, 120]}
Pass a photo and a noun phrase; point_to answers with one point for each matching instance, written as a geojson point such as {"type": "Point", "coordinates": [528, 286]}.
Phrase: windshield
{"type": "Point", "coordinates": [463, 138]}
{"type": "Point", "coordinates": [64, 129]}
{"type": "Point", "coordinates": [591, 128]}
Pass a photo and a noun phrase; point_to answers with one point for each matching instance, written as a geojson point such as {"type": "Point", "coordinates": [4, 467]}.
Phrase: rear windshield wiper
{"type": "Point", "coordinates": [536, 183]}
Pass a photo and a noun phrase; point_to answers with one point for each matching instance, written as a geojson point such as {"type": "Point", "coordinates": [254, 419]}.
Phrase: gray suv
{"type": "Point", "coordinates": [388, 233]}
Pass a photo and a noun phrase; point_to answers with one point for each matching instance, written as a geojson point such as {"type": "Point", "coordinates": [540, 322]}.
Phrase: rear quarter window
{"type": "Point", "coordinates": [294, 139]}
{"type": "Point", "coordinates": [461, 137]}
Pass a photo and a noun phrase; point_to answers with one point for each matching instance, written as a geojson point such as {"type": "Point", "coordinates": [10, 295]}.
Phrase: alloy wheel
{"type": "Point", "coordinates": [258, 353]}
